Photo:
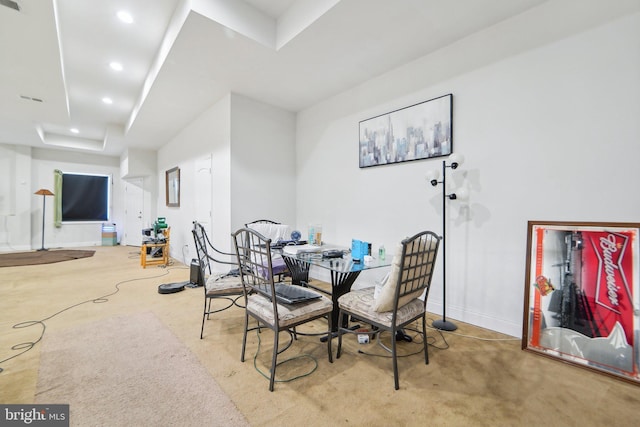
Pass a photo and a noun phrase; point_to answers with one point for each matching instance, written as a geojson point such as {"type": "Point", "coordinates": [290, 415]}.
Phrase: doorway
{"type": "Point", "coordinates": [203, 191]}
{"type": "Point", "coordinates": [134, 212]}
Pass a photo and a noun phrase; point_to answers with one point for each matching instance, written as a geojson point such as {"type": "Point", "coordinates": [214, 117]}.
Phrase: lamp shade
{"type": "Point", "coordinates": [456, 158]}
{"type": "Point", "coordinates": [432, 174]}
{"type": "Point", "coordinates": [43, 192]}
{"type": "Point", "coordinates": [462, 193]}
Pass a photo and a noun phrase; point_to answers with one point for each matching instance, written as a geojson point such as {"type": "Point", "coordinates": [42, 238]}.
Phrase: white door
{"type": "Point", "coordinates": [203, 192]}
{"type": "Point", "coordinates": [134, 209]}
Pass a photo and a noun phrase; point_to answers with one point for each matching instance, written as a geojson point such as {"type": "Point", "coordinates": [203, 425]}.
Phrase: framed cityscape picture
{"type": "Point", "coordinates": [582, 302]}
{"type": "Point", "coordinates": [420, 131]}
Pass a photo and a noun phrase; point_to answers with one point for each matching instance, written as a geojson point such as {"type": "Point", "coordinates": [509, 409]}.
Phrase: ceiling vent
{"type": "Point", "coordinates": [10, 3]}
{"type": "Point", "coordinates": [29, 98]}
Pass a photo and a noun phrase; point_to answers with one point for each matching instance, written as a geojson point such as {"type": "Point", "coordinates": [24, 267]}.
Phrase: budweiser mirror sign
{"type": "Point", "coordinates": [582, 300]}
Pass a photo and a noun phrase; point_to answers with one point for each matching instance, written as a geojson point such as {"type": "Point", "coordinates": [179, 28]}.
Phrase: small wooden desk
{"type": "Point", "coordinates": [164, 260]}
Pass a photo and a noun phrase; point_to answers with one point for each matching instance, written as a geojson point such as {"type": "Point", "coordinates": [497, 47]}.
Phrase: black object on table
{"type": "Point", "coordinates": [344, 272]}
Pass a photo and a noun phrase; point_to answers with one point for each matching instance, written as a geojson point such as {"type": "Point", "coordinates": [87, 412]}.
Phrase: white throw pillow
{"type": "Point", "coordinates": [383, 301]}
{"type": "Point", "coordinates": [275, 232]}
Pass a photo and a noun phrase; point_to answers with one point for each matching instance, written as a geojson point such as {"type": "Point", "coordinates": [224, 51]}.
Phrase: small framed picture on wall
{"type": "Point", "coordinates": [172, 186]}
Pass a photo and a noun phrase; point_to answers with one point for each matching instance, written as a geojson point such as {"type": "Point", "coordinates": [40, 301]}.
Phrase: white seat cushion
{"type": "Point", "coordinates": [360, 303]}
{"type": "Point", "coordinates": [288, 313]}
{"type": "Point", "coordinates": [223, 284]}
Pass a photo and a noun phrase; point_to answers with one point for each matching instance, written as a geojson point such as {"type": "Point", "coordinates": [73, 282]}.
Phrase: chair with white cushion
{"type": "Point", "coordinates": [398, 303]}
{"type": "Point", "coordinates": [276, 232]}
{"type": "Point", "coordinates": [253, 251]}
{"type": "Point", "coordinates": [226, 286]}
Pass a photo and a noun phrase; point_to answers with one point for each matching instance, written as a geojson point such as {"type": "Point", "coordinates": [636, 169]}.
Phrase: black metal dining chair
{"type": "Point", "coordinates": [253, 251]}
{"type": "Point", "coordinates": [280, 269]}
{"type": "Point", "coordinates": [219, 286]}
{"type": "Point", "coordinates": [398, 303]}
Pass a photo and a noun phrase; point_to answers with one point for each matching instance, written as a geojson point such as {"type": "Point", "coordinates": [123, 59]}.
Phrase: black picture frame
{"type": "Point", "coordinates": [417, 132]}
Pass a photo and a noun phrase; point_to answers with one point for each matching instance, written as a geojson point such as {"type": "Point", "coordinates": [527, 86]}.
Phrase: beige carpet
{"type": "Point", "coordinates": [130, 371]}
{"type": "Point", "coordinates": [475, 381]}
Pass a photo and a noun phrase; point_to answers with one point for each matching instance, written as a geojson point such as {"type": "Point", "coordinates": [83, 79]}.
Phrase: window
{"type": "Point", "coordinates": [85, 197]}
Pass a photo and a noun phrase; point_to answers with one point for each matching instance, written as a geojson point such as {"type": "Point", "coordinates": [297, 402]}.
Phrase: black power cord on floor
{"type": "Point", "coordinates": [301, 356]}
{"type": "Point", "coordinates": [402, 336]}
{"type": "Point", "coordinates": [26, 346]}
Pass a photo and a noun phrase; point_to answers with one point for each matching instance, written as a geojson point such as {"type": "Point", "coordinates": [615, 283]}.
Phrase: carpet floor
{"type": "Point", "coordinates": [159, 380]}
{"type": "Point", "coordinates": [475, 377]}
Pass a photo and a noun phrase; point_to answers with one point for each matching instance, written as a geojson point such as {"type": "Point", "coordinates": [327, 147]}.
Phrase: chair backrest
{"type": "Point", "coordinates": [206, 251]}
{"type": "Point", "coordinates": [254, 259]}
{"type": "Point", "coordinates": [261, 221]}
{"type": "Point", "coordinates": [199, 238]}
{"type": "Point", "coordinates": [415, 269]}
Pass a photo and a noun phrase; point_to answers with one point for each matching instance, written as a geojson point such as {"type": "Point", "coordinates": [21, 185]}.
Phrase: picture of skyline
{"type": "Point", "coordinates": [416, 132]}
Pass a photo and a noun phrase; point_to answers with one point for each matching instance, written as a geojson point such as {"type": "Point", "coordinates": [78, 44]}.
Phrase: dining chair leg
{"type": "Point", "coordinates": [276, 335]}
{"type": "Point", "coordinates": [244, 336]}
{"type": "Point", "coordinates": [424, 340]}
{"type": "Point", "coordinates": [395, 359]}
{"type": "Point", "coordinates": [204, 315]}
{"type": "Point", "coordinates": [209, 309]}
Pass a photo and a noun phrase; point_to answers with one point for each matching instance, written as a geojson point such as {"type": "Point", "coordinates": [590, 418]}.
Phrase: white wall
{"type": "Point", "coordinates": [16, 198]}
{"type": "Point", "coordinates": [135, 163]}
{"type": "Point", "coordinates": [44, 162]}
{"type": "Point", "coordinates": [7, 184]}
{"type": "Point", "coordinates": [263, 171]}
{"type": "Point", "coordinates": [208, 134]}
{"type": "Point", "coordinates": [253, 171]}
{"type": "Point", "coordinates": [32, 169]}
{"type": "Point", "coordinates": [548, 134]}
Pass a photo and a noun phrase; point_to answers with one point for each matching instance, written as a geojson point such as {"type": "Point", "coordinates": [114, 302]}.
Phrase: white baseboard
{"type": "Point", "coordinates": [475, 318]}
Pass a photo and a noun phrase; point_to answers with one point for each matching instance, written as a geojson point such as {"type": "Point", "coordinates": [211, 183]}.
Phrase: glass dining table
{"type": "Point", "coordinates": [344, 272]}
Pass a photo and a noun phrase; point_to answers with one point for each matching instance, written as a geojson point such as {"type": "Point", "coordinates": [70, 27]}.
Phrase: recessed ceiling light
{"type": "Point", "coordinates": [74, 130]}
{"type": "Point", "coordinates": [125, 17]}
{"type": "Point", "coordinates": [116, 66]}
{"type": "Point", "coordinates": [107, 100]}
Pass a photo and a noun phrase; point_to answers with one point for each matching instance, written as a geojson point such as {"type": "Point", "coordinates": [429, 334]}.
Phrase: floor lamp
{"type": "Point", "coordinates": [44, 193]}
{"type": "Point", "coordinates": [455, 161]}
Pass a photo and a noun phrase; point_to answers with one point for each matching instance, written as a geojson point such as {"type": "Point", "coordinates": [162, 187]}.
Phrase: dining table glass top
{"type": "Point", "coordinates": [340, 264]}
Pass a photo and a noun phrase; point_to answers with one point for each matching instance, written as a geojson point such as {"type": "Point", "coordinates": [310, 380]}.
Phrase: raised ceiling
{"type": "Point", "coordinates": [178, 57]}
